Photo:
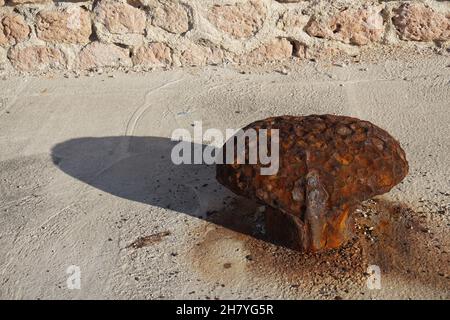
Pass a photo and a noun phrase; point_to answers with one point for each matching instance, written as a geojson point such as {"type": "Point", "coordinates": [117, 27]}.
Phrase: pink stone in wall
{"type": "Point", "coordinates": [170, 16]}
{"type": "Point", "coordinates": [3, 40]}
{"type": "Point", "coordinates": [197, 55]}
{"type": "Point", "coordinates": [358, 27]}
{"type": "Point", "coordinates": [276, 50]}
{"type": "Point", "coordinates": [13, 29]}
{"type": "Point", "coordinates": [241, 20]}
{"type": "Point", "coordinates": [97, 54]}
{"type": "Point", "coordinates": [417, 22]}
{"type": "Point", "coordinates": [36, 58]}
{"type": "Point", "coordinates": [293, 21]}
{"type": "Point", "coordinates": [68, 25]}
{"type": "Point", "coordinates": [19, 2]}
{"type": "Point", "coordinates": [120, 18]}
{"type": "Point", "coordinates": [152, 55]}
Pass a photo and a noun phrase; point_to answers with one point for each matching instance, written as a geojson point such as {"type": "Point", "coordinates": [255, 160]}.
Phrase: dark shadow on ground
{"type": "Point", "coordinates": [140, 169]}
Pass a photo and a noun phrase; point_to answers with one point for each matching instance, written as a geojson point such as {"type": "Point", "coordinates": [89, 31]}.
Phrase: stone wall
{"type": "Point", "coordinates": [38, 35]}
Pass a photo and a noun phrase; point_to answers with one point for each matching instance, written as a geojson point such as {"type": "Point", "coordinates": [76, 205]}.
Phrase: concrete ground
{"type": "Point", "coordinates": [86, 180]}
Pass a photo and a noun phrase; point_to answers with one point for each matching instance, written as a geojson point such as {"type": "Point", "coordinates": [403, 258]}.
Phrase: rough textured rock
{"type": "Point", "coordinates": [241, 20]}
{"type": "Point", "coordinates": [170, 16]}
{"type": "Point", "coordinates": [13, 29]}
{"type": "Point", "coordinates": [3, 40]}
{"type": "Point", "coordinates": [292, 21]}
{"type": "Point", "coordinates": [327, 165]}
{"type": "Point", "coordinates": [18, 2]}
{"type": "Point", "coordinates": [119, 18]}
{"type": "Point", "coordinates": [276, 50]}
{"type": "Point", "coordinates": [358, 27]}
{"type": "Point", "coordinates": [326, 50]}
{"type": "Point", "coordinates": [98, 54]}
{"type": "Point", "coordinates": [153, 55]}
{"type": "Point", "coordinates": [68, 25]}
{"type": "Point", "coordinates": [197, 55]}
{"type": "Point", "coordinates": [415, 21]}
{"type": "Point", "coordinates": [35, 58]}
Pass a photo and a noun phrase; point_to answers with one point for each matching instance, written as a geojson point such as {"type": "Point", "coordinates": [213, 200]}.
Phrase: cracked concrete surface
{"type": "Point", "coordinates": [85, 172]}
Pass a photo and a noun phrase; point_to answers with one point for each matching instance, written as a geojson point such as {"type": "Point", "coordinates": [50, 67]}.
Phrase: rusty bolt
{"type": "Point", "coordinates": [327, 165]}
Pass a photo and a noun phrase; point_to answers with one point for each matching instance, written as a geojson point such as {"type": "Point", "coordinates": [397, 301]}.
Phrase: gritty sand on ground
{"type": "Point", "coordinates": [86, 180]}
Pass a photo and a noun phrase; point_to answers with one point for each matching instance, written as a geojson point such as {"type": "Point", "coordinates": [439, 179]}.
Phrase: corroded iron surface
{"type": "Point", "coordinates": [327, 165]}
